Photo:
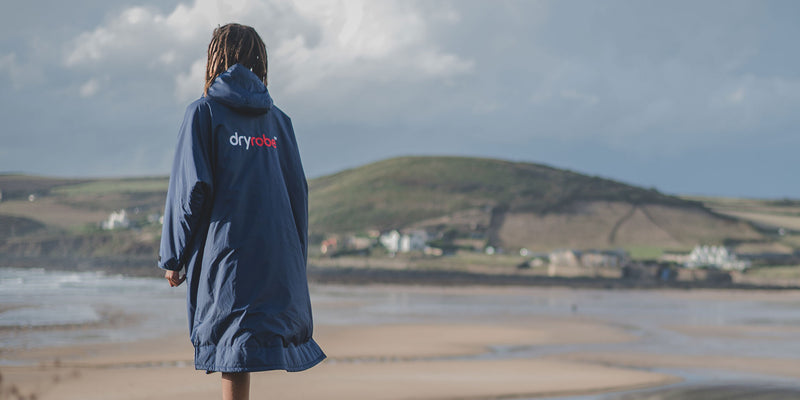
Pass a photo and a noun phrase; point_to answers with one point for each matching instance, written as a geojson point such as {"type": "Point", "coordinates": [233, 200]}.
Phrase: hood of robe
{"type": "Point", "coordinates": [240, 89]}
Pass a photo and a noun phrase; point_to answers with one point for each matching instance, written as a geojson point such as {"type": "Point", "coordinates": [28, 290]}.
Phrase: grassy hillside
{"type": "Point", "coordinates": [514, 205]}
{"type": "Point", "coordinates": [74, 204]}
{"type": "Point", "coordinates": [400, 191]}
{"type": "Point", "coordinates": [476, 200]}
{"type": "Point", "coordinates": [779, 219]}
{"type": "Point", "coordinates": [19, 187]}
{"type": "Point", "coordinates": [769, 214]}
{"type": "Point", "coordinates": [63, 220]}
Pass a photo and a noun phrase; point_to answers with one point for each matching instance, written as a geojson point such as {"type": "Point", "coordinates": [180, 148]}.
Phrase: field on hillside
{"type": "Point", "coordinates": [778, 219]}
{"type": "Point", "coordinates": [514, 205]}
{"type": "Point", "coordinates": [60, 219]}
{"type": "Point", "coordinates": [63, 219]}
{"type": "Point", "coordinates": [399, 192]}
{"type": "Point", "coordinates": [77, 204]}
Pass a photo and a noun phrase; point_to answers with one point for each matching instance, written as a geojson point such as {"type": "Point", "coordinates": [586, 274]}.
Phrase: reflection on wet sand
{"type": "Point", "coordinates": [399, 342]}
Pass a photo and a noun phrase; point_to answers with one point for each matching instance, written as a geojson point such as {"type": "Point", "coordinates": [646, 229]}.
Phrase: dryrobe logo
{"type": "Point", "coordinates": [252, 141]}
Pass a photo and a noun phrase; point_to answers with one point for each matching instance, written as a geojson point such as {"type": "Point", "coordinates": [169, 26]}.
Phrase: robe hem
{"type": "Point", "coordinates": [285, 365]}
{"type": "Point", "coordinates": [260, 368]}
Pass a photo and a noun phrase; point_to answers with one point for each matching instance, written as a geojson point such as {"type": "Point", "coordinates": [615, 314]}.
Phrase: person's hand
{"type": "Point", "coordinates": [175, 278]}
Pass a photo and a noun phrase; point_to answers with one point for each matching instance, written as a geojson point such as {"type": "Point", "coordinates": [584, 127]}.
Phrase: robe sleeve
{"type": "Point", "coordinates": [297, 186]}
{"type": "Point", "coordinates": [190, 188]}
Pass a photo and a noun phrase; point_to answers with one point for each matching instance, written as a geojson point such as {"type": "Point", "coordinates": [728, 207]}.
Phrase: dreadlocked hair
{"type": "Point", "coordinates": [232, 44]}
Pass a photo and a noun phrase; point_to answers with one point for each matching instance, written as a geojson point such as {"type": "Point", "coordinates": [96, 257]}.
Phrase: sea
{"type": "Point", "coordinates": [41, 307]}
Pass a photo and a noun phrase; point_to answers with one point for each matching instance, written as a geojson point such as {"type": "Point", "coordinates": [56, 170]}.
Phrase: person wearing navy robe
{"type": "Point", "coordinates": [236, 219]}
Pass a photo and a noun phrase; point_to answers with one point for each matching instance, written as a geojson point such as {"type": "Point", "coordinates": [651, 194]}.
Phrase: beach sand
{"type": "Point", "coordinates": [449, 358]}
{"type": "Point", "coordinates": [397, 361]}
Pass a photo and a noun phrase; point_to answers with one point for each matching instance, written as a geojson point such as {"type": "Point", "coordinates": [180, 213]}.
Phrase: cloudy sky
{"type": "Point", "coordinates": [688, 97]}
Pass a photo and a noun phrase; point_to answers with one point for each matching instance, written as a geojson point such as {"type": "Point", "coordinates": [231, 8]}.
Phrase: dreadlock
{"type": "Point", "coordinates": [232, 44]}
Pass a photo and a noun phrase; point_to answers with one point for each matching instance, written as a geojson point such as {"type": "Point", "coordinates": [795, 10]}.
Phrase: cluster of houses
{"type": "Point", "coordinates": [417, 240]}
{"type": "Point", "coordinates": [701, 257]}
{"type": "Point", "coordinates": [406, 241]}
{"type": "Point", "coordinates": [396, 242]}
{"type": "Point", "coordinates": [120, 220]}
{"type": "Point", "coordinates": [709, 256]}
{"type": "Point", "coordinates": [117, 220]}
{"type": "Point", "coordinates": [393, 241]}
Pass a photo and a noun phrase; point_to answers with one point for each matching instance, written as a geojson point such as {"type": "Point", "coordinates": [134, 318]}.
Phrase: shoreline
{"type": "Point", "coordinates": [360, 276]}
{"type": "Point", "coordinates": [391, 276]}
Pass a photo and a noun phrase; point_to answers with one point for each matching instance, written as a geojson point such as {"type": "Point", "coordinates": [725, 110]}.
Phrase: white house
{"type": "Point", "coordinates": [397, 242]}
{"type": "Point", "coordinates": [391, 240]}
{"type": "Point", "coordinates": [715, 256]}
{"type": "Point", "coordinates": [117, 220]}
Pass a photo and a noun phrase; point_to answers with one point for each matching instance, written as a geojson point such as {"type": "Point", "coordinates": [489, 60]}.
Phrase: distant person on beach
{"type": "Point", "coordinates": [236, 219]}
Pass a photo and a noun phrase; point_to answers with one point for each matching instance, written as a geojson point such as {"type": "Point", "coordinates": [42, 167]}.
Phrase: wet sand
{"type": "Point", "coordinates": [594, 345]}
{"type": "Point", "coordinates": [396, 361]}
{"type": "Point", "coordinates": [717, 392]}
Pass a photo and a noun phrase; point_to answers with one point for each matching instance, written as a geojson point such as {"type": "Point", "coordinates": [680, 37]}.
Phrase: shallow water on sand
{"type": "Point", "coordinates": [643, 313]}
{"type": "Point", "coordinates": [41, 308]}
{"type": "Point", "coordinates": [647, 314]}
{"type": "Point", "coordinates": [704, 384]}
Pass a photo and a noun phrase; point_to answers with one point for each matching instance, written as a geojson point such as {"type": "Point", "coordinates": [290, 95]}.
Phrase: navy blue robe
{"type": "Point", "coordinates": [237, 218]}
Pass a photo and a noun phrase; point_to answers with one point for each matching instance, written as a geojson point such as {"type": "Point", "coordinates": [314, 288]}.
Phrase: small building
{"type": "Point", "coordinates": [117, 220]}
{"type": "Point", "coordinates": [565, 258]}
{"type": "Point", "coordinates": [329, 245]}
{"type": "Point", "coordinates": [603, 258]}
{"type": "Point", "coordinates": [359, 242]}
{"type": "Point", "coordinates": [716, 257]}
{"type": "Point", "coordinates": [391, 241]}
{"type": "Point", "coordinates": [397, 242]}
{"type": "Point", "coordinates": [344, 245]}
{"type": "Point", "coordinates": [535, 260]}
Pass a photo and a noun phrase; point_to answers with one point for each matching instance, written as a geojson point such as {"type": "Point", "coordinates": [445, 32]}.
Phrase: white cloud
{"type": "Point", "coordinates": [189, 86]}
{"type": "Point", "coordinates": [736, 96]}
{"type": "Point", "coordinates": [397, 77]}
{"type": "Point", "coordinates": [17, 72]}
{"type": "Point", "coordinates": [140, 33]}
{"type": "Point", "coordinates": [168, 57]}
{"type": "Point", "coordinates": [364, 42]}
{"type": "Point", "coordinates": [89, 88]}
{"type": "Point", "coordinates": [310, 42]}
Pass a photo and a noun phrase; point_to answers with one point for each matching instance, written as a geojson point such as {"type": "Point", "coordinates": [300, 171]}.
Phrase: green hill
{"type": "Point", "coordinates": [473, 200]}
{"type": "Point", "coordinates": [400, 191]}
{"type": "Point", "coordinates": [512, 204]}
{"type": "Point", "coordinates": [59, 219]}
